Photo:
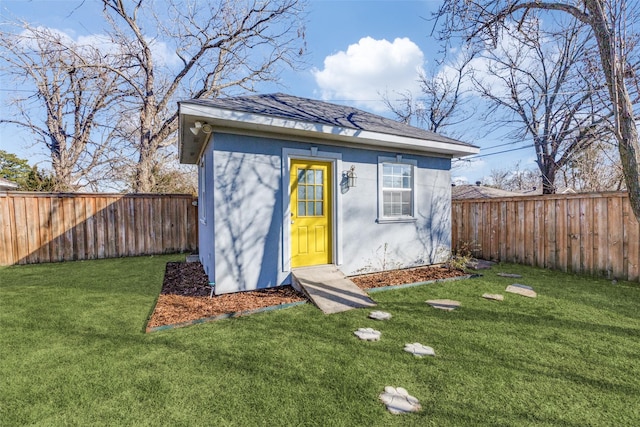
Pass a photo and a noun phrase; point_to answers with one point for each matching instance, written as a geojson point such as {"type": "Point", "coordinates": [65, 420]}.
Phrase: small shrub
{"type": "Point", "coordinates": [462, 258]}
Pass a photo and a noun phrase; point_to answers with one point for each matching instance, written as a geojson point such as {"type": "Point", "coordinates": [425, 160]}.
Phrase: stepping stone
{"type": "Point", "coordinates": [368, 334]}
{"type": "Point", "coordinates": [526, 291]}
{"type": "Point", "coordinates": [419, 350]}
{"type": "Point", "coordinates": [511, 275]}
{"type": "Point", "coordinates": [444, 304]}
{"type": "Point", "coordinates": [481, 264]}
{"type": "Point", "coordinates": [380, 315]}
{"type": "Point", "coordinates": [398, 400]}
{"type": "Point", "coordinates": [496, 297]}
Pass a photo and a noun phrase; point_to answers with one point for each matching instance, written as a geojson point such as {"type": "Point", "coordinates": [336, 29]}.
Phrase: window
{"type": "Point", "coordinates": [310, 192]}
{"type": "Point", "coordinates": [396, 183]}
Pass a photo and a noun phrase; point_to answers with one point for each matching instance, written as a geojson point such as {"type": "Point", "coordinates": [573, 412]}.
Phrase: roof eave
{"type": "Point", "coordinates": [226, 119]}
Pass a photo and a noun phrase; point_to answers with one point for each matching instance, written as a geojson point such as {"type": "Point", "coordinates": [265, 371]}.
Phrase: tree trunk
{"type": "Point", "coordinates": [144, 181]}
{"type": "Point", "coordinates": [626, 132]}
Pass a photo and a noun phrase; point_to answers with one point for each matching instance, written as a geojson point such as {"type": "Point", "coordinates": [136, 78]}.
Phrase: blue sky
{"type": "Point", "coordinates": [357, 49]}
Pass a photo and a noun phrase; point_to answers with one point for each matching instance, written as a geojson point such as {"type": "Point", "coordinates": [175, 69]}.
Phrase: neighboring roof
{"type": "Point", "coordinates": [537, 191]}
{"type": "Point", "coordinates": [5, 184]}
{"type": "Point", "coordinates": [479, 192]}
{"type": "Point", "coordinates": [286, 115]}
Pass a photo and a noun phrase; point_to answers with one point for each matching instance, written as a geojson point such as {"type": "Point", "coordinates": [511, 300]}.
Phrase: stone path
{"type": "Point", "coordinates": [511, 275]}
{"type": "Point", "coordinates": [368, 334]}
{"type": "Point", "coordinates": [419, 350]}
{"type": "Point", "coordinates": [526, 291]}
{"type": "Point", "coordinates": [398, 400]}
{"type": "Point", "coordinates": [379, 315]}
{"type": "Point", "coordinates": [495, 297]}
{"type": "Point", "coordinates": [444, 304]}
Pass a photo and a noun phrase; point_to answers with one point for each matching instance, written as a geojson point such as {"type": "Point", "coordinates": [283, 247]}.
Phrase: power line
{"type": "Point", "coordinates": [459, 159]}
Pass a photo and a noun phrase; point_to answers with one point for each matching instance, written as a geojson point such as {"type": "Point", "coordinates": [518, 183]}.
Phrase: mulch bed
{"type": "Point", "coordinates": [401, 277]}
{"type": "Point", "coordinates": [185, 292]}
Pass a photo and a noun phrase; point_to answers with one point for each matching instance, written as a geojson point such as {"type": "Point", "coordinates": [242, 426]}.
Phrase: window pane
{"type": "Point", "coordinates": [301, 174]}
{"type": "Point", "coordinates": [310, 209]}
{"type": "Point", "coordinates": [406, 203]}
{"type": "Point", "coordinates": [319, 208]}
{"type": "Point", "coordinates": [397, 194]}
{"type": "Point", "coordinates": [301, 209]}
{"type": "Point", "coordinates": [302, 193]}
{"type": "Point", "coordinates": [319, 177]}
{"type": "Point", "coordinates": [318, 192]}
{"type": "Point", "coordinates": [309, 177]}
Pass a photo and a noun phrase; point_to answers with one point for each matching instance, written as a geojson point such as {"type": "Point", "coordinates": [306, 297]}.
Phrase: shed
{"type": "Point", "coordinates": [288, 182]}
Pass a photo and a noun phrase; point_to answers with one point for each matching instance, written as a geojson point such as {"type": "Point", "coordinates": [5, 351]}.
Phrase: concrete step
{"type": "Point", "coordinates": [329, 289]}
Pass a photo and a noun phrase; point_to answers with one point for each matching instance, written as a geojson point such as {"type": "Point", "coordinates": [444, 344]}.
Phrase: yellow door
{"type": "Point", "coordinates": [310, 213]}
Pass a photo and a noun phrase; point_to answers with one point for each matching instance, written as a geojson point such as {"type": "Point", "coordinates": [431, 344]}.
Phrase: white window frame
{"type": "Point", "coordinates": [382, 160]}
{"type": "Point", "coordinates": [202, 189]}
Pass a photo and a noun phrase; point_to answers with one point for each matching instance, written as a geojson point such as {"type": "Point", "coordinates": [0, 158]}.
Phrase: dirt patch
{"type": "Point", "coordinates": [185, 292]}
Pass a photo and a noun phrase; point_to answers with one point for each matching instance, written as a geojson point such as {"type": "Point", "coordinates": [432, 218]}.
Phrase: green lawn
{"type": "Point", "coordinates": [73, 352]}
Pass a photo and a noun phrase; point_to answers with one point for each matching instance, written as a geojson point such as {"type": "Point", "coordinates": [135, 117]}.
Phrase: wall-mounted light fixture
{"type": "Point", "coordinates": [198, 125]}
{"type": "Point", "coordinates": [351, 176]}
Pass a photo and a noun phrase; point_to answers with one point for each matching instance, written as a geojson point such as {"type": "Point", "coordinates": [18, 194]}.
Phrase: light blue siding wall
{"type": "Point", "coordinates": [369, 245]}
{"type": "Point", "coordinates": [246, 183]}
{"type": "Point", "coordinates": [206, 213]}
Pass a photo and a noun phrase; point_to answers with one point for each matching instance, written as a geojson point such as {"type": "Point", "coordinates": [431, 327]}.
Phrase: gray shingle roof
{"type": "Point", "coordinates": [5, 184]}
{"type": "Point", "coordinates": [319, 112]}
{"type": "Point", "coordinates": [479, 192]}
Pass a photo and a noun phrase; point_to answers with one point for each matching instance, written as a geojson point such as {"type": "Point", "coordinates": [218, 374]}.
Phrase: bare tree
{"type": "Point", "coordinates": [538, 84]}
{"type": "Point", "coordinates": [514, 178]}
{"type": "Point", "coordinates": [596, 168]}
{"type": "Point", "coordinates": [612, 24]}
{"type": "Point", "coordinates": [218, 46]}
{"type": "Point", "coordinates": [442, 103]}
{"type": "Point", "coordinates": [66, 108]}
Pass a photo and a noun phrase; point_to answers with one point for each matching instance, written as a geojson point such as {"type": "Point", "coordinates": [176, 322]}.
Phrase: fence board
{"type": "Point", "coordinates": [586, 236]}
{"type": "Point", "coordinates": [632, 240]}
{"type": "Point", "coordinates": [33, 235]}
{"type": "Point", "coordinates": [494, 252]}
{"type": "Point", "coordinates": [615, 258]}
{"type": "Point", "coordinates": [601, 246]}
{"type": "Point", "coordinates": [5, 232]}
{"type": "Point", "coordinates": [90, 227]}
{"type": "Point", "coordinates": [589, 233]}
{"type": "Point", "coordinates": [538, 234]}
{"type": "Point", "coordinates": [573, 246]}
{"type": "Point", "coordinates": [44, 218]}
{"type": "Point", "coordinates": [43, 227]}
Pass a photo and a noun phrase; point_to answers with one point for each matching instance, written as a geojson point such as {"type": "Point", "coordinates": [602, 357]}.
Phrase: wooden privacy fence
{"type": "Point", "coordinates": [51, 227]}
{"type": "Point", "coordinates": [593, 233]}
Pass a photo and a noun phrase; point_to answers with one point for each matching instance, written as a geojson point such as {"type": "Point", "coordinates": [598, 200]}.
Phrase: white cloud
{"type": "Point", "coordinates": [370, 68]}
